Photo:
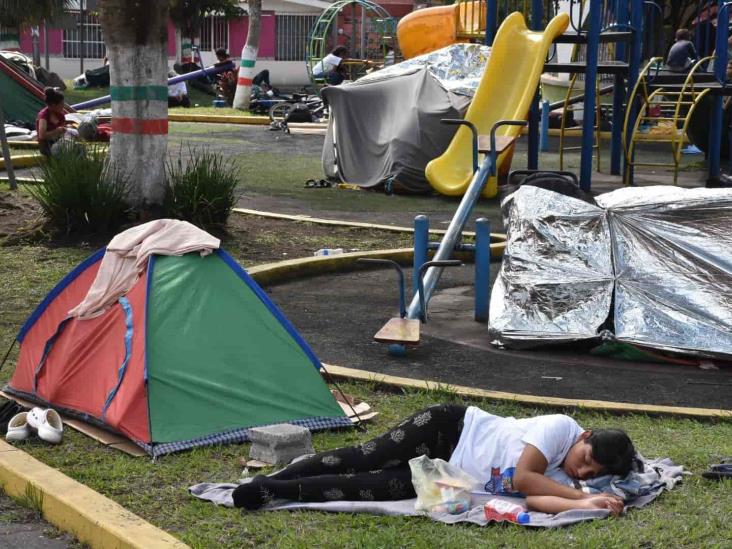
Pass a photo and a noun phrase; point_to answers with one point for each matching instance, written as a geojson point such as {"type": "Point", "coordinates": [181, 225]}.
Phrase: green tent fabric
{"type": "Point", "coordinates": [18, 103]}
{"type": "Point", "coordinates": [198, 313]}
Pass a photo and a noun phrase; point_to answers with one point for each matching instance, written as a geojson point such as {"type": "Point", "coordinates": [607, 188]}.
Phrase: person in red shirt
{"type": "Point", "coordinates": [51, 122]}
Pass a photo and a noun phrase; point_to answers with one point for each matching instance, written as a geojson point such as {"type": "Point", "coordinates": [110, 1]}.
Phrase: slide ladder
{"type": "Point", "coordinates": [661, 105]}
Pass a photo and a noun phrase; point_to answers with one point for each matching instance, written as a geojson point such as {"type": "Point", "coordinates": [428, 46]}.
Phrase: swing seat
{"type": "Point", "coordinates": [399, 330]}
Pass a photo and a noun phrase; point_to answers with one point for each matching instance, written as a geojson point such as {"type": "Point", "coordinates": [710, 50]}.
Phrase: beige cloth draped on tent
{"type": "Point", "coordinates": [126, 259]}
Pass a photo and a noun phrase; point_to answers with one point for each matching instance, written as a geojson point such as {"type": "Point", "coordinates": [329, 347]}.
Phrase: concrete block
{"type": "Point", "coordinates": [279, 444]}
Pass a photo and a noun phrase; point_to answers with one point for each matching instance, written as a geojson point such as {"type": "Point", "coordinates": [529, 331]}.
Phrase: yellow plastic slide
{"type": "Point", "coordinates": [430, 29]}
{"type": "Point", "coordinates": [504, 93]}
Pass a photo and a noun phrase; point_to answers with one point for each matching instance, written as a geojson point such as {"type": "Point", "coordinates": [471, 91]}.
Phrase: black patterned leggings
{"type": "Point", "coordinates": [375, 470]}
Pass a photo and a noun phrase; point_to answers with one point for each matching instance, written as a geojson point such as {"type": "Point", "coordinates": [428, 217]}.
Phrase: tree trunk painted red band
{"type": "Point", "coordinates": [244, 81]}
{"type": "Point", "coordinates": [139, 126]}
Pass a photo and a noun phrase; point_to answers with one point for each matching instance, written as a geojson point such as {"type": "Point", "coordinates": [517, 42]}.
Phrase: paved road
{"type": "Point", "coordinates": [20, 528]}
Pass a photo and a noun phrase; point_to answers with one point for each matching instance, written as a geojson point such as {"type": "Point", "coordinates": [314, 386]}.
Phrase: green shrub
{"type": "Point", "coordinates": [203, 190]}
{"type": "Point", "coordinates": [80, 193]}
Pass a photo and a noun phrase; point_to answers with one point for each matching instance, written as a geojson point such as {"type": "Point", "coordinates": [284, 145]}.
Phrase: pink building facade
{"type": "Point", "coordinates": [286, 25]}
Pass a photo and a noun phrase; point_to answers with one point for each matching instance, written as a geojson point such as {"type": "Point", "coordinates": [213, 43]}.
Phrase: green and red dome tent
{"type": "Point", "coordinates": [195, 353]}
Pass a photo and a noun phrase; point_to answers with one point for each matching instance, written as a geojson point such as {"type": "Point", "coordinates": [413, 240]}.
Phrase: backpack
{"type": "Point", "coordinates": [299, 113]}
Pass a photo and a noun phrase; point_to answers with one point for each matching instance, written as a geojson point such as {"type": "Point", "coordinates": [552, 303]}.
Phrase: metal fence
{"type": "Point", "coordinates": [93, 39]}
{"type": "Point", "coordinates": [214, 33]}
{"type": "Point", "coordinates": [293, 32]}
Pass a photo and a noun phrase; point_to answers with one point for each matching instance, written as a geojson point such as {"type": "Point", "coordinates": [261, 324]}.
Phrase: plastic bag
{"type": "Point", "coordinates": [440, 487]}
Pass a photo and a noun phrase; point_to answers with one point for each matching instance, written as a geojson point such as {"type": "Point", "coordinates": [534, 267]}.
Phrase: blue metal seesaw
{"type": "Point", "coordinates": [403, 331]}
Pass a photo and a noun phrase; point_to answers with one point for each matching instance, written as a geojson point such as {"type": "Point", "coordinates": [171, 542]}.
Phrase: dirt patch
{"type": "Point", "coordinates": [254, 240]}
{"type": "Point", "coordinates": [251, 239]}
{"type": "Point", "coordinates": [19, 213]}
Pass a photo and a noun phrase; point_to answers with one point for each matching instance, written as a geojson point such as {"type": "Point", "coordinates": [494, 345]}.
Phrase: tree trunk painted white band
{"type": "Point", "coordinates": [141, 157]}
{"type": "Point", "coordinates": [186, 51]}
{"type": "Point", "coordinates": [246, 74]}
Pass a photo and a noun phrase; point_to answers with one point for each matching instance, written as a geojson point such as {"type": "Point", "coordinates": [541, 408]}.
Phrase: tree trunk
{"type": "Point", "coordinates": [186, 47]}
{"type": "Point", "coordinates": [6, 151]}
{"type": "Point", "coordinates": [248, 57]}
{"type": "Point", "coordinates": [36, 45]}
{"type": "Point", "coordinates": [136, 35]}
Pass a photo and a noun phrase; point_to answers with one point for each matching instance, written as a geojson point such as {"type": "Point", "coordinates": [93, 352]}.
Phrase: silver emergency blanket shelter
{"type": "Point", "coordinates": [556, 281]}
{"type": "Point", "coordinates": [668, 261]}
{"type": "Point", "coordinates": [385, 127]}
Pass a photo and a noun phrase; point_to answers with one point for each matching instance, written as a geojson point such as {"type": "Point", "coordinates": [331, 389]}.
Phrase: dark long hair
{"type": "Point", "coordinates": [53, 96]}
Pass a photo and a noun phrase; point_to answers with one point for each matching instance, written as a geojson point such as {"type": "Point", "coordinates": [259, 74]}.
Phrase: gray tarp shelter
{"type": "Point", "coordinates": [386, 126]}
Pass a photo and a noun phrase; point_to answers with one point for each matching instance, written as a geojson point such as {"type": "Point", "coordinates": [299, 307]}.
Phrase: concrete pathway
{"type": "Point", "coordinates": [20, 528]}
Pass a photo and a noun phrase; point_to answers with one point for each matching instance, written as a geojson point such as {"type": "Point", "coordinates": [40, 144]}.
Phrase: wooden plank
{"type": "Point", "coordinates": [308, 125]}
{"type": "Point", "coordinates": [97, 433]}
{"type": "Point", "coordinates": [130, 448]}
{"type": "Point", "coordinates": [356, 410]}
{"type": "Point", "coordinates": [363, 417]}
{"type": "Point", "coordinates": [399, 330]}
{"type": "Point", "coordinates": [502, 143]}
{"type": "Point", "coordinates": [306, 131]}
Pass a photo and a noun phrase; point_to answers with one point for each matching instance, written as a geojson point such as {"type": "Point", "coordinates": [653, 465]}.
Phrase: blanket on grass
{"type": "Point", "coordinates": [638, 489]}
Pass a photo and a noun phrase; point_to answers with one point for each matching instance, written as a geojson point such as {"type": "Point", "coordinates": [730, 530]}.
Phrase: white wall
{"type": "Point", "coordinates": [69, 68]}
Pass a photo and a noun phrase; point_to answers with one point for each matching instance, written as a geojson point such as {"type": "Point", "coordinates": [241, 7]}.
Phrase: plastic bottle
{"type": "Point", "coordinates": [500, 510]}
{"type": "Point", "coordinates": [329, 251]}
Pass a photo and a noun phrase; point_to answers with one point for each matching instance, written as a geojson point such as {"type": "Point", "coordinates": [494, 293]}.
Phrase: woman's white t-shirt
{"type": "Point", "coordinates": [327, 64]}
{"type": "Point", "coordinates": [490, 446]}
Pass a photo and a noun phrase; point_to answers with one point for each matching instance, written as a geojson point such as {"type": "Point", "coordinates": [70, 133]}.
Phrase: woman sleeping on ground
{"type": "Point", "coordinates": [509, 456]}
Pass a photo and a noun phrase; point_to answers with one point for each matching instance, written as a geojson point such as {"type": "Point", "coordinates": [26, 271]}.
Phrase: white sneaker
{"type": "Point", "coordinates": [18, 428]}
{"type": "Point", "coordinates": [48, 424]}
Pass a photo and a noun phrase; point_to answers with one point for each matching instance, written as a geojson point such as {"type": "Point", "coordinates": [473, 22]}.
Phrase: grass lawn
{"type": "Point", "coordinates": [277, 165]}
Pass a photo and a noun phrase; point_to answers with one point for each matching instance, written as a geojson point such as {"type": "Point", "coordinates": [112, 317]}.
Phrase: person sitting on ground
{"type": "Point", "coordinates": [331, 67]}
{"type": "Point", "coordinates": [682, 54]}
{"type": "Point", "coordinates": [536, 457]}
{"type": "Point", "coordinates": [222, 56]}
{"type": "Point", "coordinates": [51, 121]}
{"type": "Point", "coordinates": [226, 81]}
{"type": "Point", "coordinates": [178, 93]}
{"type": "Point", "coordinates": [261, 85]}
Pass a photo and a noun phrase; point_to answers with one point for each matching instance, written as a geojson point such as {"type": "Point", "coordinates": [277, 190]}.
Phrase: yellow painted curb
{"type": "Point", "coordinates": [220, 119]}
{"type": "Point", "coordinates": [272, 273]}
{"type": "Point", "coordinates": [75, 508]}
{"type": "Point", "coordinates": [497, 248]}
{"type": "Point", "coordinates": [23, 144]}
{"type": "Point", "coordinates": [603, 405]}
{"type": "Point", "coordinates": [20, 180]}
{"type": "Point", "coordinates": [22, 161]}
